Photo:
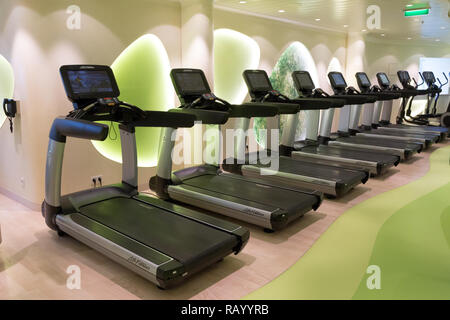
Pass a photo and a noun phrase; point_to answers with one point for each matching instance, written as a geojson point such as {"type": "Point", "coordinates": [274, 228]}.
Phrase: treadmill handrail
{"type": "Point", "coordinates": [65, 127]}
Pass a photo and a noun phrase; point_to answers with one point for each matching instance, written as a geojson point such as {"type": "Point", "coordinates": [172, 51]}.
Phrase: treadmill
{"type": "Point", "coordinates": [343, 138]}
{"type": "Point", "coordinates": [375, 163]}
{"type": "Point", "coordinates": [365, 87]}
{"type": "Point", "coordinates": [206, 186]}
{"type": "Point", "coordinates": [434, 93]}
{"type": "Point", "coordinates": [385, 111]}
{"type": "Point", "coordinates": [160, 241]}
{"type": "Point", "coordinates": [331, 180]}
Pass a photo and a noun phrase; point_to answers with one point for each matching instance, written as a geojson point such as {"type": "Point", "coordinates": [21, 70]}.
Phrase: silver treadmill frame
{"type": "Point", "coordinates": [253, 215]}
{"type": "Point", "coordinates": [65, 223]}
{"type": "Point", "coordinates": [312, 127]}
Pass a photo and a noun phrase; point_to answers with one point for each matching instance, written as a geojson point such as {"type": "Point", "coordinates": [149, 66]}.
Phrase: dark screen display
{"type": "Point", "coordinates": [429, 77]}
{"type": "Point", "coordinates": [258, 81]}
{"type": "Point", "coordinates": [191, 82]}
{"type": "Point", "coordinates": [384, 79]}
{"type": "Point", "coordinates": [364, 80]}
{"type": "Point", "coordinates": [338, 79]}
{"type": "Point", "coordinates": [305, 81]}
{"type": "Point", "coordinates": [89, 81]}
{"type": "Point", "coordinates": [403, 76]}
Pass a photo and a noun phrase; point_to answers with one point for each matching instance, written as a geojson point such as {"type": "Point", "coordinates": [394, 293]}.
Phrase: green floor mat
{"type": "Point", "coordinates": [335, 267]}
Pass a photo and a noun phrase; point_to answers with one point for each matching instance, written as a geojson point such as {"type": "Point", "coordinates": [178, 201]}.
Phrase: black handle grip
{"type": "Point", "coordinates": [76, 128]}
{"type": "Point", "coordinates": [11, 111]}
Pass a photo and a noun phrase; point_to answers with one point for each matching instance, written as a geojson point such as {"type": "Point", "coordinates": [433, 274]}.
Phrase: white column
{"type": "Point", "coordinates": [355, 57]}
{"type": "Point", "coordinates": [197, 37]}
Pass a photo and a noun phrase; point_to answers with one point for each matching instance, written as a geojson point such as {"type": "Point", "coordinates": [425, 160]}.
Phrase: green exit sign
{"type": "Point", "coordinates": [417, 12]}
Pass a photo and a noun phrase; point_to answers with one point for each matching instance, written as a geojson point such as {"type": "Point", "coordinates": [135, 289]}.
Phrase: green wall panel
{"type": "Point", "coordinates": [295, 57]}
{"type": "Point", "coordinates": [234, 52]}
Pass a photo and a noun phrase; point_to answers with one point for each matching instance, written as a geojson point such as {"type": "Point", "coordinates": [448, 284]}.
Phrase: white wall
{"type": "Point", "coordinates": [34, 38]}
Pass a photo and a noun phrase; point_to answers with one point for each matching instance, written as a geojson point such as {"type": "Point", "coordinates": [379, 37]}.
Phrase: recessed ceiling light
{"type": "Point", "coordinates": [317, 19]}
{"type": "Point", "coordinates": [363, 30]}
{"type": "Point", "coordinates": [382, 34]}
{"type": "Point", "coordinates": [409, 38]}
{"type": "Point", "coordinates": [281, 11]}
{"type": "Point", "coordinates": [345, 25]}
{"type": "Point", "coordinates": [409, 5]}
{"type": "Point", "coordinates": [242, 2]}
{"type": "Point", "coordinates": [442, 28]}
{"type": "Point", "coordinates": [437, 40]}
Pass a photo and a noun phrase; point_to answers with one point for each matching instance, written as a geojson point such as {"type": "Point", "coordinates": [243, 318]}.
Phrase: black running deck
{"type": "Point", "coordinates": [379, 158]}
{"type": "Point", "coordinates": [245, 191]}
{"type": "Point", "coordinates": [186, 241]}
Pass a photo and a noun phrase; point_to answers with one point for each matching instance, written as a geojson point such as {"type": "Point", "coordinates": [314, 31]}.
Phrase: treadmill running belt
{"type": "Point", "coordinates": [294, 166]}
{"type": "Point", "coordinates": [350, 154]}
{"type": "Point", "coordinates": [180, 238]}
{"type": "Point", "coordinates": [239, 188]}
{"type": "Point", "coordinates": [380, 142]}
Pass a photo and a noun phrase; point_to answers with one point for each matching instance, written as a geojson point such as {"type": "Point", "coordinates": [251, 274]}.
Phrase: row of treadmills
{"type": "Point", "coordinates": [162, 238]}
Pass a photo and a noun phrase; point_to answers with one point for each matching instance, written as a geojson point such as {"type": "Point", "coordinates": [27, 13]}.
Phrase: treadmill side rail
{"type": "Point", "coordinates": [253, 215]}
{"type": "Point", "coordinates": [127, 258]}
{"type": "Point", "coordinates": [356, 146]}
{"type": "Point", "coordinates": [326, 186]}
{"type": "Point", "coordinates": [338, 162]}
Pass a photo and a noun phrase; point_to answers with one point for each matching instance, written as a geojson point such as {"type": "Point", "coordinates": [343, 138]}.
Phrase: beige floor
{"type": "Point", "coordinates": [33, 260]}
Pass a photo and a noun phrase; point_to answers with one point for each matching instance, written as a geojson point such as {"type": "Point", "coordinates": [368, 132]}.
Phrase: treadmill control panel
{"type": "Point", "coordinates": [190, 84]}
{"type": "Point", "coordinates": [383, 80]}
{"type": "Point", "coordinates": [337, 82]}
{"type": "Point", "coordinates": [88, 82]}
{"type": "Point", "coordinates": [258, 83]}
{"type": "Point", "coordinates": [429, 78]}
{"type": "Point", "coordinates": [303, 82]}
{"type": "Point", "coordinates": [404, 78]}
{"type": "Point", "coordinates": [363, 81]}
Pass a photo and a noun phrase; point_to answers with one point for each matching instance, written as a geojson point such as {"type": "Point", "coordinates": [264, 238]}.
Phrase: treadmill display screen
{"type": "Point", "coordinates": [403, 76]}
{"type": "Point", "coordinates": [338, 80]}
{"type": "Point", "coordinates": [90, 82]}
{"type": "Point", "coordinates": [384, 79]}
{"type": "Point", "coordinates": [258, 81]}
{"type": "Point", "coordinates": [429, 77]}
{"type": "Point", "coordinates": [304, 80]}
{"type": "Point", "coordinates": [365, 82]}
{"type": "Point", "coordinates": [191, 83]}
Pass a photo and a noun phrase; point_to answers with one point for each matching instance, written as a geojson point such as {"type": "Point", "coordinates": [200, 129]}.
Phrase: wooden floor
{"type": "Point", "coordinates": [34, 260]}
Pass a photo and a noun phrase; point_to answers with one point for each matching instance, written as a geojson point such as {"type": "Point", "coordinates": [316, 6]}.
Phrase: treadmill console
{"type": "Point", "coordinates": [85, 84]}
{"type": "Point", "coordinates": [303, 82]}
{"type": "Point", "coordinates": [363, 81]}
{"type": "Point", "coordinates": [190, 84]}
{"type": "Point", "coordinates": [404, 78]}
{"type": "Point", "coordinates": [258, 83]}
{"type": "Point", "coordinates": [383, 80]}
{"type": "Point", "coordinates": [429, 78]}
{"type": "Point", "coordinates": [337, 82]}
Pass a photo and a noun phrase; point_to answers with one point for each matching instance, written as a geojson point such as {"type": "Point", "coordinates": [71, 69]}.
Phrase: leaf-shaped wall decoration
{"type": "Point", "coordinates": [6, 84]}
{"type": "Point", "coordinates": [143, 75]}
{"type": "Point", "coordinates": [234, 52]}
{"type": "Point", "coordinates": [296, 57]}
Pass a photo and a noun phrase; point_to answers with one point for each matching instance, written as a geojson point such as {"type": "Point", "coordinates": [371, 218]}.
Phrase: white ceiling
{"type": "Point", "coordinates": [334, 14]}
